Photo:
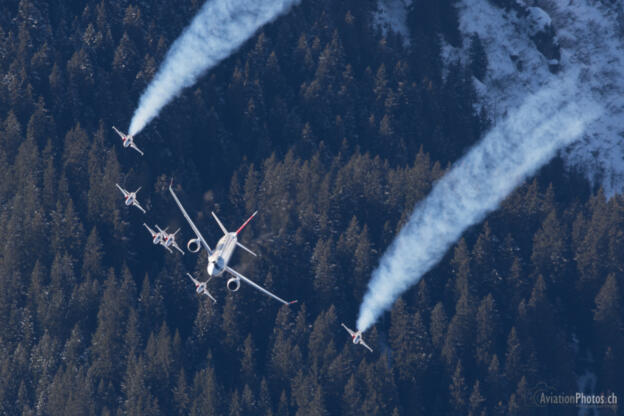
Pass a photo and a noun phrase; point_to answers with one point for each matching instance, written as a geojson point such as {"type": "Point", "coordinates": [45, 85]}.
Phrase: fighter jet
{"type": "Point", "coordinates": [219, 257]}
{"type": "Point", "coordinates": [127, 140]}
{"type": "Point", "coordinates": [163, 238]}
{"type": "Point", "coordinates": [200, 287]}
{"type": "Point", "coordinates": [169, 240]}
{"type": "Point", "coordinates": [130, 198]}
{"type": "Point", "coordinates": [357, 338]}
{"type": "Point", "coordinates": [157, 237]}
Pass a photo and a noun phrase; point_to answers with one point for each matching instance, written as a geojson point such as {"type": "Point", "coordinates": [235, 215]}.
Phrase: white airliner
{"type": "Point", "coordinates": [357, 338]}
{"type": "Point", "coordinates": [200, 287]}
{"type": "Point", "coordinates": [219, 257]}
{"type": "Point", "coordinates": [163, 238]}
{"type": "Point", "coordinates": [130, 198]}
{"type": "Point", "coordinates": [127, 140]}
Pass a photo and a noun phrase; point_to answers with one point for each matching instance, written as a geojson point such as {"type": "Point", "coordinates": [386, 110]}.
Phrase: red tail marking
{"type": "Point", "coordinates": [246, 222]}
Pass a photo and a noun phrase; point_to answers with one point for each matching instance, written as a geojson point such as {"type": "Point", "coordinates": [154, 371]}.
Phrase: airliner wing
{"type": "Point", "coordinates": [348, 330]}
{"type": "Point", "coordinates": [188, 219]}
{"type": "Point", "coordinates": [260, 288]}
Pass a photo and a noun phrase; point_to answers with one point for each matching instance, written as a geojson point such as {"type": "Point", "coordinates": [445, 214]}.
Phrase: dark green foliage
{"type": "Point", "coordinates": [335, 134]}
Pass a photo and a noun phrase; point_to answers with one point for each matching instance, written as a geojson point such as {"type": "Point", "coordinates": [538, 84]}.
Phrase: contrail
{"type": "Point", "coordinates": [513, 150]}
{"type": "Point", "coordinates": [509, 37]}
{"type": "Point", "coordinates": [220, 27]}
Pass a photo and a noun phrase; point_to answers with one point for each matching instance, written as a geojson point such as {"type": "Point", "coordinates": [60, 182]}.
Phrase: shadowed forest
{"type": "Point", "coordinates": [332, 131]}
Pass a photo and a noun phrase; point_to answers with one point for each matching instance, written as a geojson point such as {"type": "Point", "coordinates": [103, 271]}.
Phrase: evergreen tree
{"type": "Point", "coordinates": [513, 357]}
{"type": "Point", "coordinates": [478, 58]}
{"type": "Point", "coordinates": [458, 342]}
{"type": "Point", "coordinates": [314, 120]}
{"type": "Point", "coordinates": [438, 325]}
{"type": "Point", "coordinates": [458, 390]}
{"type": "Point", "coordinates": [608, 313]}
{"type": "Point", "coordinates": [488, 325]}
{"type": "Point", "coordinates": [248, 362]}
{"type": "Point", "coordinates": [205, 393]}
{"type": "Point", "coordinates": [92, 263]}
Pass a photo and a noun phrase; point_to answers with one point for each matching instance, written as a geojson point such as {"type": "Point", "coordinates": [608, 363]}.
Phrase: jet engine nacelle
{"type": "Point", "coordinates": [233, 284]}
{"type": "Point", "coordinates": [193, 245]}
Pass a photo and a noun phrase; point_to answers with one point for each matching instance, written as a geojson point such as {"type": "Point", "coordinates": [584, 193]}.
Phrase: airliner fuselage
{"type": "Point", "coordinates": [220, 257]}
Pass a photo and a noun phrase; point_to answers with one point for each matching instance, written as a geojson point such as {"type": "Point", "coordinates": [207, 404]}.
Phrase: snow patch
{"type": "Point", "coordinates": [539, 19]}
{"type": "Point", "coordinates": [590, 40]}
{"type": "Point", "coordinates": [391, 15]}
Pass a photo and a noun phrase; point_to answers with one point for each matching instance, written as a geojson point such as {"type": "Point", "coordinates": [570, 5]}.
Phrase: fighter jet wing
{"type": "Point", "coordinates": [205, 292]}
{"type": "Point", "coordinates": [188, 219]}
{"type": "Point", "coordinates": [166, 248]}
{"type": "Point", "coordinates": [260, 288]}
{"type": "Point", "coordinates": [123, 191]}
{"type": "Point", "coordinates": [136, 204]}
{"type": "Point", "coordinates": [134, 146]}
{"type": "Point", "coordinates": [175, 245]}
{"type": "Point", "coordinates": [195, 281]}
{"type": "Point", "coordinates": [366, 346]}
{"type": "Point", "coordinates": [348, 330]}
{"type": "Point", "coordinates": [118, 132]}
{"type": "Point", "coordinates": [152, 232]}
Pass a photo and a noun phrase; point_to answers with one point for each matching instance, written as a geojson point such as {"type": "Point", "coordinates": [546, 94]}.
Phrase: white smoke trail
{"type": "Point", "coordinates": [589, 35]}
{"type": "Point", "coordinates": [220, 27]}
{"type": "Point", "coordinates": [514, 149]}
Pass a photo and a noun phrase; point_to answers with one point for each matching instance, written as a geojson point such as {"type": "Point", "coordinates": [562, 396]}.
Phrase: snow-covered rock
{"type": "Point", "coordinates": [528, 46]}
{"type": "Point", "coordinates": [538, 19]}
{"type": "Point", "coordinates": [392, 15]}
